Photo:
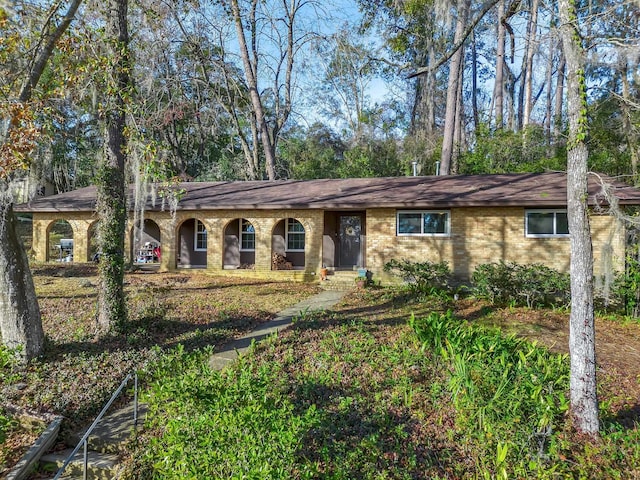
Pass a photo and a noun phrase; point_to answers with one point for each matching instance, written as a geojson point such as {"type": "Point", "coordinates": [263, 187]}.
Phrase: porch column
{"type": "Point", "coordinates": [314, 230]}
{"type": "Point", "coordinates": [168, 242]}
{"type": "Point", "coordinates": [80, 240]}
{"type": "Point", "coordinates": [264, 228]}
{"type": "Point", "coordinates": [39, 241]}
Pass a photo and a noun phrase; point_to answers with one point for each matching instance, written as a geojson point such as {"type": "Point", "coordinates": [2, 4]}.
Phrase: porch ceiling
{"type": "Point", "coordinates": [530, 190]}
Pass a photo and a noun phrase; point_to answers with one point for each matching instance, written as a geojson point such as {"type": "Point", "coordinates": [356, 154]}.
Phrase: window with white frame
{"type": "Point", "coordinates": [200, 240]}
{"type": "Point", "coordinates": [425, 222]}
{"type": "Point", "coordinates": [546, 223]}
{"type": "Point", "coordinates": [247, 236]}
{"type": "Point", "coordinates": [294, 236]}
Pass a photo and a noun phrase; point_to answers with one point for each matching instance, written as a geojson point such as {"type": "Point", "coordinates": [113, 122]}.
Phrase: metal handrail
{"type": "Point", "coordinates": [84, 440]}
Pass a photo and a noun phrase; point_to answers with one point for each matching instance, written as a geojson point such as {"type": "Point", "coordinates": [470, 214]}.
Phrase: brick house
{"type": "Point", "coordinates": [237, 228]}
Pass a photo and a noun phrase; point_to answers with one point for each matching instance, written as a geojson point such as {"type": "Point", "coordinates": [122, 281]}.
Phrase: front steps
{"type": "Point", "coordinates": [104, 445]}
{"type": "Point", "coordinates": [100, 466]}
{"type": "Point", "coordinates": [340, 280]}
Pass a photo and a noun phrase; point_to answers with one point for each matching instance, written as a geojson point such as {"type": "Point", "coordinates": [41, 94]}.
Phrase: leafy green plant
{"type": "Point", "coordinates": [531, 285]}
{"type": "Point", "coordinates": [626, 286]}
{"type": "Point", "coordinates": [8, 365]}
{"type": "Point", "coordinates": [503, 388]}
{"type": "Point", "coordinates": [424, 277]}
{"type": "Point", "coordinates": [239, 414]}
{"type": "Point", "coordinates": [6, 424]}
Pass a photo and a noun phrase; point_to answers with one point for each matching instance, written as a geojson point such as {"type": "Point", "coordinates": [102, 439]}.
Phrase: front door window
{"type": "Point", "coordinates": [350, 231]}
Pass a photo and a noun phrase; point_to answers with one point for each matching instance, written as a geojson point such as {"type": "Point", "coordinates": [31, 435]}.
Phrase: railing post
{"type": "Point", "coordinates": [86, 459]}
{"type": "Point", "coordinates": [85, 438]}
{"type": "Point", "coordinates": [135, 400]}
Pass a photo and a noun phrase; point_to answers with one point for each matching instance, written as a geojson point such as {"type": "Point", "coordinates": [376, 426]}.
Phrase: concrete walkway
{"type": "Point", "coordinates": [322, 301]}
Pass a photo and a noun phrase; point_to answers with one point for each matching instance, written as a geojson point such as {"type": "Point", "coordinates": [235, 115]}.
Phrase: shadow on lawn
{"type": "Point", "coordinates": [628, 418]}
{"type": "Point", "coordinates": [147, 333]}
{"type": "Point", "coordinates": [353, 440]}
{"type": "Point", "coordinates": [374, 313]}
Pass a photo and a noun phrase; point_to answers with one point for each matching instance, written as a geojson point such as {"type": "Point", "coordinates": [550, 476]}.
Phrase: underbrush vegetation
{"type": "Point", "coordinates": [8, 374]}
{"type": "Point", "coordinates": [509, 394]}
{"type": "Point", "coordinates": [365, 393]}
{"type": "Point", "coordinates": [426, 277]}
{"type": "Point", "coordinates": [233, 424]}
{"type": "Point", "coordinates": [80, 370]}
{"type": "Point", "coordinates": [361, 392]}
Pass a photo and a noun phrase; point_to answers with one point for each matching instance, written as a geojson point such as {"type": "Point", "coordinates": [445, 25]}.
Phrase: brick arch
{"type": "Point", "coordinates": [92, 241]}
{"type": "Point", "coordinates": [146, 244]}
{"type": "Point", "coordinates": [288, 241]}
{"type": "Point", "coordinates": [191, 243]}
{"type": "Point", "coordinates": [239, 249]}
{"type": "Point", "coordinates": [57, 231]}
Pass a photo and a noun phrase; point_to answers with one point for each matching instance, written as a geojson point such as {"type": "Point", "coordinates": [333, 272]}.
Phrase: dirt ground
{"type": "Point", "coordinates": [617, 349]}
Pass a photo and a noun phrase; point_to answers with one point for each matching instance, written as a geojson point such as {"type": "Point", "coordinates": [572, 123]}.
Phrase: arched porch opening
{"type": "Point", "coordinates": [191, 244]}
{"type": "Point", "coordinates": [288, 242]}
{"type": "Point", "coordinates": [239, 245]}
{"type": "Point", "coordinates": [60, 241]}
{"type": "Point", "coordinates": [146, 245]}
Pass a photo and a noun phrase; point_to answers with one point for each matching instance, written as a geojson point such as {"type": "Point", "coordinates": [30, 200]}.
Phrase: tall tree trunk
{"type": "Point", "coordinates": [523, 73]}
{"type": "Point", "coordinates": [423, 112]}
{"type": "Point", "coordinates": [250, 72]}
{"type": "Point", "coordinates": [531, 50]}
{"type": "Point", "coordinates": [110, 182]}
{"type": "Point", "coordinates": [455, 69]}
{"type": "Point", "coordinates": [498, 89]}
{"type": "Point", "coordinates": [556, 126]}
{"type": "Point", "coordinates": [21, 326]}
{"type": "Point", "coordinates": [584, 400]}
{"type": "Point", "coordinates": [458, 132]}
{"type": "Point", "coordinates": [20, 320]}
{"type": "Point", "coordinates": [474, 84]}
{"type": "Point", "coordinates": [510, 100]}
{"type": "Point", "coordinates": [549, 92]}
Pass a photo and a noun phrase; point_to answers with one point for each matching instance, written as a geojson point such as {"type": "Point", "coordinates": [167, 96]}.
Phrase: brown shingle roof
{"type": "Point", "coordinates": [529, 190]}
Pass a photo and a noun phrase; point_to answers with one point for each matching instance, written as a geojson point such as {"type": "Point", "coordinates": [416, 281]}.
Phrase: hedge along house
{"type": "Point", "coordinates": [291, 229]}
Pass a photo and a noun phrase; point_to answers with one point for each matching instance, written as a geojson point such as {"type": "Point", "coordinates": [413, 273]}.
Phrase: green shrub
{"type": "Point", "coordinates": [530, 285]}
{"type": "Point", "coordinates": [425, 277]}
{"type": "Point", "coordinates": [6, 424]}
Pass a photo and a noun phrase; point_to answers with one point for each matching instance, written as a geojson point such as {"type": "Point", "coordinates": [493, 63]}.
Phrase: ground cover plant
{"type": "Point", "coordinates": [358, 392]}
{"type": "Point", "coordinates": [363, 393]}
{"type": "Point", "coordinates": [79, 371]}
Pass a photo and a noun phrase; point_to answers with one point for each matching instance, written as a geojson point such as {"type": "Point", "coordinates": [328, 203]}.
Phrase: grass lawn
{"type": "Point", "coordinates": [348, 394]}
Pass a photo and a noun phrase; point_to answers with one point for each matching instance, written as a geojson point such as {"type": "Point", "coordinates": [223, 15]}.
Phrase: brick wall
{"type": "Point", "coordinates": [215, 222]}
{"type": "Point", "coordinates": [485, 235]}
{"type": "Point", "coordinates": [478, 235]}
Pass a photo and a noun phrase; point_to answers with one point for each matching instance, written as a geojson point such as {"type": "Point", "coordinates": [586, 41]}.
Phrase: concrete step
{"type": "Point", "coordinates": [340, 280]}
{"type": "Point", "coordinates": [112, 432]}
{"type": "Point", "coordinates": [100, 466]}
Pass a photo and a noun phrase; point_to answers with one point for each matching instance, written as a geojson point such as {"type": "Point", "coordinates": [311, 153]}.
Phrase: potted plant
{"type": "Point", "coordinates": [324, 271]}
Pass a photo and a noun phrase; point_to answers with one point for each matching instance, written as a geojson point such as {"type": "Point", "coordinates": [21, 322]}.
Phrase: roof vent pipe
{"type": "Point", "coordinates": [438, 168]}
{"type": "Point", "coordinates": [414, 164]}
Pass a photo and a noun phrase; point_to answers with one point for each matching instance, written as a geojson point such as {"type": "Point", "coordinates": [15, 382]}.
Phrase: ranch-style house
{"type": "Point", "coordinates": [292, 229]}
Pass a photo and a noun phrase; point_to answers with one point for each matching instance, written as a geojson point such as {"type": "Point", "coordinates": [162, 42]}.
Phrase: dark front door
{"type": "Point", "coordinates": [350, 230]}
